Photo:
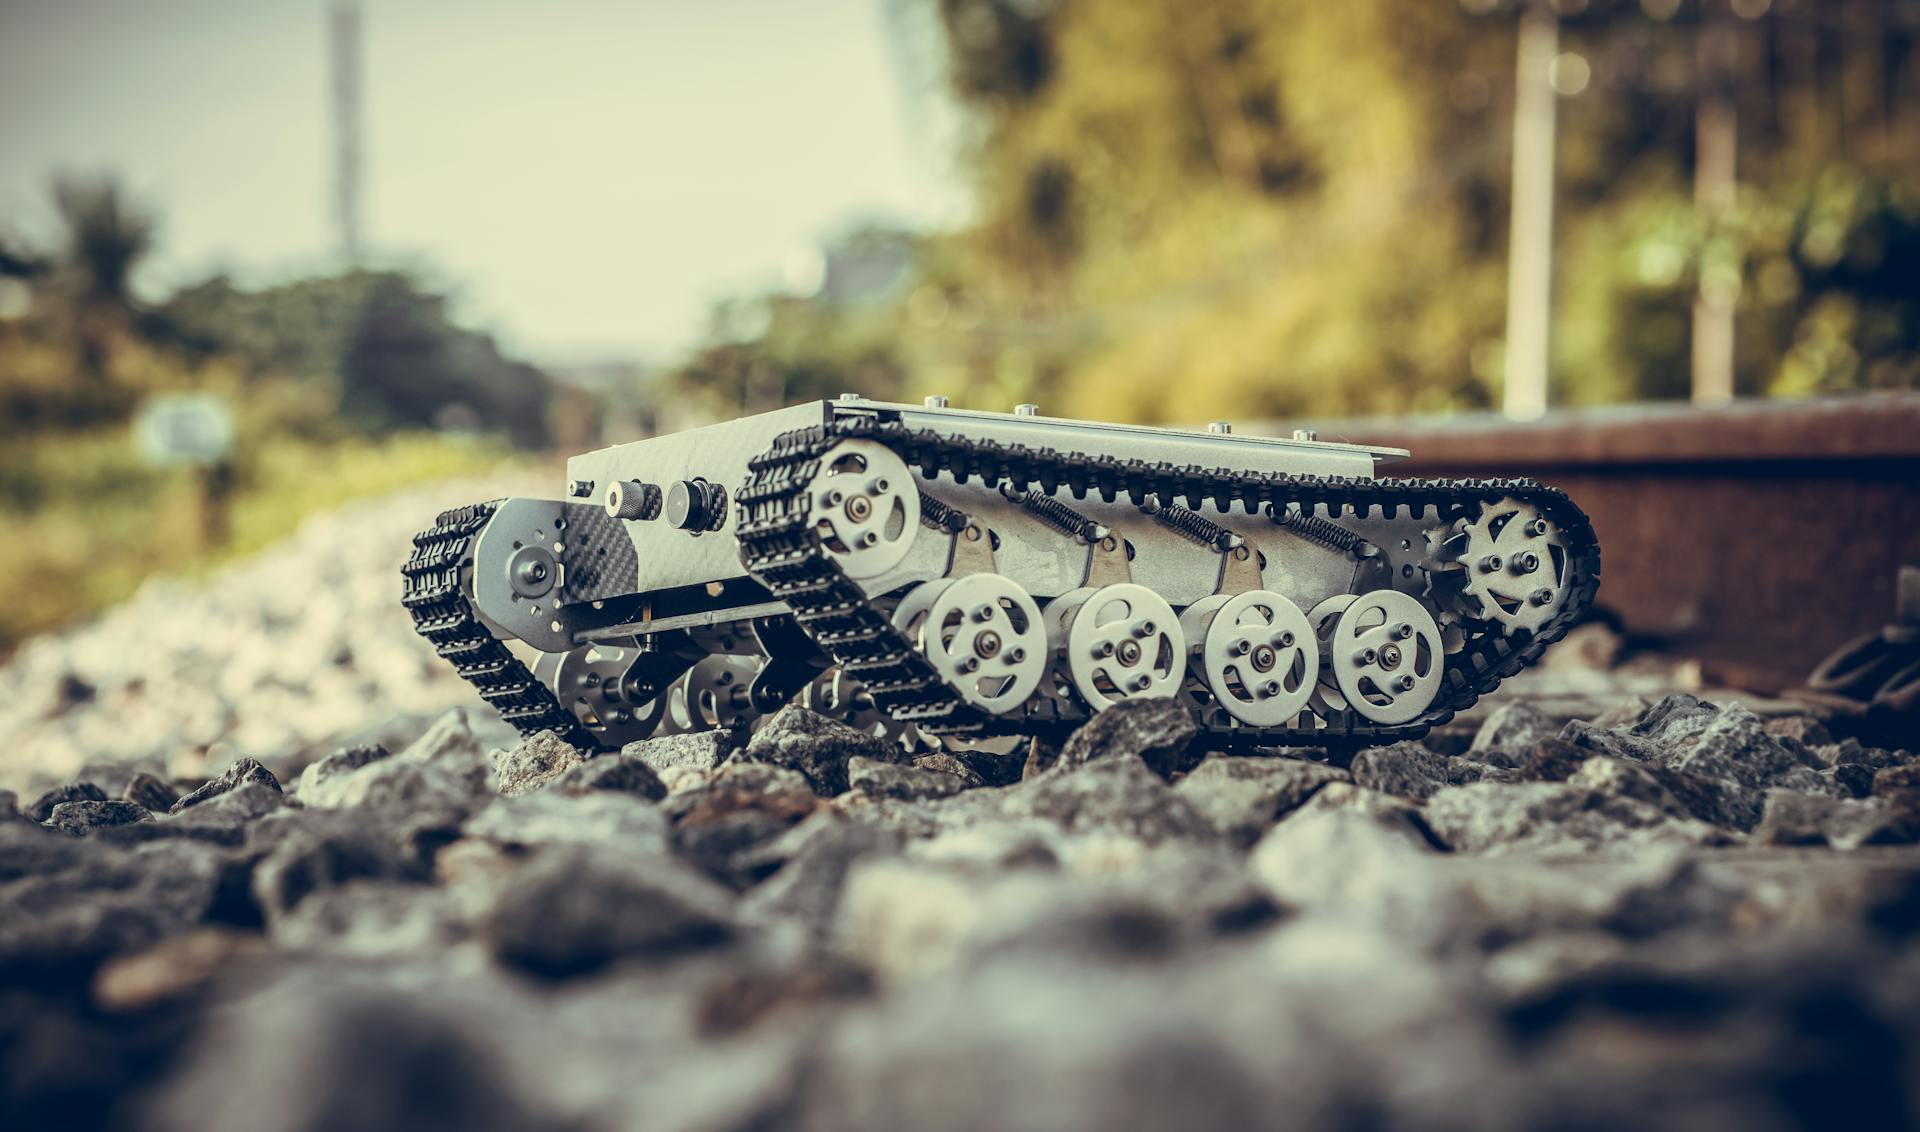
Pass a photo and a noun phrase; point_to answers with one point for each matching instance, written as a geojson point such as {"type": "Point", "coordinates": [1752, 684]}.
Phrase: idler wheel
{"type": "Point", "coordinates": [1256, 653]}
{"type": "Point", "coordinates": [1386, 656]}
{"type": "Point", "coordinates": [983, 634]}
{"type": "Point", "coordinates": [1123, 642]}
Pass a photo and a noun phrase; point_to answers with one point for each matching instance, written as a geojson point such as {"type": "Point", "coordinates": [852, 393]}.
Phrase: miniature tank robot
{"type": "Point", "coordinates": [945, 575]}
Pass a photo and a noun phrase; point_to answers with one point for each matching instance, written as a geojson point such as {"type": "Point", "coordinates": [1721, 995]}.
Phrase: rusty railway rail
{"type": "Point", "coordinates": [1757, 537]}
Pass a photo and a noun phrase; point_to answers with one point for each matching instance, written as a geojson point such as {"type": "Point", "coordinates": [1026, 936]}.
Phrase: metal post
{"type": "Point", "coordinates": [1530, 243]}
{"type": "Point", "coordinates": [344, 42]}
{"type": "Point", "coordinates": [1715, 139]}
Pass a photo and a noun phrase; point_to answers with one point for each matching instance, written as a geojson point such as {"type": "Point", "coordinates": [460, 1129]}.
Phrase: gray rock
{"type": "Point", "coordinates": [42, 807]}
{"type": "Point", "coordinates": [536, 761]}
{"type": "Point", "coordinates": [92, 901]}
{"type": "Point", "coordinates": [614, 819]}
{"type": "Point", "coordinates": [371, 917]}
{"type": "Point", "coordinates": [337, 764]}
{"type": "Point", "coordinates": [1243, 797]}
{"type": "Point", "coordinates": [718, 823]}
{"type": "Point", "coordinates": [335, 1049]}
{"type": "Point", "coordinates": [814, 860]}
{"type": "Point", "coordinates": [1158, 732]}
{"type": "Point", "coordinates": [1122, 797]}
{"type": "Point", "coordinates": [1462, 770]}
{"type": "Point", "coordinates": [1555, 817]}
{"type": "Point", "coordinates": [874, 779]}
{"type": "Point", "coordinates": [1511, 729]}
{"type": "Point", "coordinates": [996, 767]}
{"type": "Point", "coordinates": [683, 760]}
{"type": "Point", "coordinates": [1852, 781]}
{"type": "Point", "coordinates": [1628, 780]}
{"type": "Point", "coordinates": [1843, 823]}
{"type": "Point", "coordinates": [399, 786]}
{"type": "Point", "coordinates": [1727, 743]}
{"type": "Point", "coordinates": [311, 851]}
{"type": "Point", "coordinates": [1897, 782]}
{"type": "Point", "coordinates": [230, 810]}
{"type": "Point", "coordinates": [613, 772]}
{"type": "Point", "coordinates": [242, 772]}
{"type": "Point", "coordinates": [82, 818]}
{"type": "Point", "coordinates": [1042, 756]}
{"type": "Point", "coordinates": [943, 763]}
{"type": "Point", "coordinates": [151, 792]}
{"type": "Point", "coordinates": [450, 739]}
{"type": "Point", "coordinates": [10, 807]}
{"type": "Point", "coordinates": [1356, 854]}
{"type": "Point", "coordinates": [1406, 769]}
{"type": "Point", "coordinates": [114, 777]}
{"type": "Point", "coordinates": [1580, 739]}
{"type": "Point", "coordinates": [1805, 728]}
{"type": "Point", "coordinates": [574, 910]}
{"type": "Point", "coordinates": [1852, 752]}
{"type": "Point", "coordinates": [817, 747]}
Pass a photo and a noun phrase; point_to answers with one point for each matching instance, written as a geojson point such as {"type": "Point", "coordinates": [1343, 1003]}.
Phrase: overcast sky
{"type": "Point", "coordinates": [589, 174]}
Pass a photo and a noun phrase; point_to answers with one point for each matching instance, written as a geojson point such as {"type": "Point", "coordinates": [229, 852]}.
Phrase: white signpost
{"type": "Point", "coordinates": [184, 430]}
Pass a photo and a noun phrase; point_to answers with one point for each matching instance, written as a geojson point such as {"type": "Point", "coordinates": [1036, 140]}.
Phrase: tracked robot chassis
{"type": "Point", "coordinates": [935, 574]}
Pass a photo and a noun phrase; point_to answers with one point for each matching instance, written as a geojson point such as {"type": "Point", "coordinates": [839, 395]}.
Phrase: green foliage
{"type": "Point", "coordinates": [385, 344]}
{"type": "Point", "coordinates": [1227, 208]}
{"type": "Point", "coordinates": [334, 383]}
{"type": "Point", "coordinates": [88, 522]}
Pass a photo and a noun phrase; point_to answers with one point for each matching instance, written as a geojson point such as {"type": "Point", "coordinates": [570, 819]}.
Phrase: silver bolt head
{"type": "Point", "coordinates": [1026, 409]}
{"type": "Point", "coordinates": [935, 402]}
{"type": "Point", "coordinates": [1220, 428]}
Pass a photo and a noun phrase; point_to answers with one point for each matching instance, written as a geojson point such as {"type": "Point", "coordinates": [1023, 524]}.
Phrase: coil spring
{"type": "Point", "coordinates": [1315, 529]}
{"type": "Point", "coordinates": [942, 517]}
{"type": "Point", "coordinates": [1191, 524]}
{"type": "Point", "coordinates": [1055, 513]}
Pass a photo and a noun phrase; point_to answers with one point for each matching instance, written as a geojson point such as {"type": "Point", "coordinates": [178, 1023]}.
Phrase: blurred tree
{"type": "Point", "coordinates": [1199, 208]}
{"type": "Point", "coordinates": [104, 235]}
{"type": "Point", "coordinates": [382, 342]}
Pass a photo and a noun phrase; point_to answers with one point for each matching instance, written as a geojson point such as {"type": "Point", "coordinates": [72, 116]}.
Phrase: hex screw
{"type": "Point", "coordinates": [1526, 563]}
{"type": "Point", "coordinates": [1403, 630]}
{"type": "Point", "coordinates": [1543, 596]}
{"type": "Point", "coordinates": [1404, 684]}
{"type": "Point", "coordinates": [1490, 563]}
{"type": "Point", "coordinates": [984, 613]}
{"type": "Point", "coordinates": [1270, 689]}
{"type": "Point", "coordinates": [1365, 657]}
{"type": "Point", "coordinates": [1284, 640]}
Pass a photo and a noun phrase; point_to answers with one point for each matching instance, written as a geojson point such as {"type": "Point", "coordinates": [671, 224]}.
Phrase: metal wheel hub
{"type": "Point", "coordinates": [1123, 642]}
{"type": "Point", "coordinates": [866, 507]}
{"type": "Point", "coordinates": [1256, 653]}
{"type": "Point", "coordinates": [983, 634]}
{"type": "Point", "coordinates": [1386, 656]}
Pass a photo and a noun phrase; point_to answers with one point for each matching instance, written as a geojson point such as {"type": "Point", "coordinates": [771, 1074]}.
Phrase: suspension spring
{"type": "Point", "coordinates": [1057, 514]}
{"type": "Point", "coordinates": [942, 517]}
{"type": "Point", "coordinates": [1315, 529]}
{"type": "Point", "coordinates": [1191, 524]}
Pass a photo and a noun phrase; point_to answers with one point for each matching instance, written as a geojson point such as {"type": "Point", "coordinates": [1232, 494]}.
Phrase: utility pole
{"type": "Point", "coordinates": [344, 55]}
{"type": "Point", "coordinates": [1716, 135]}
{"type": "Point", "coordinates": [1530, 242]}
